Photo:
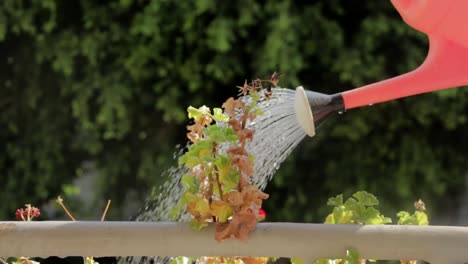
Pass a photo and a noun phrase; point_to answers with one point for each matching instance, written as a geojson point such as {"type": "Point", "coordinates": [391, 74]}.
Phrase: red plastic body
{"type": "Point", "coordinates": [446, 66]}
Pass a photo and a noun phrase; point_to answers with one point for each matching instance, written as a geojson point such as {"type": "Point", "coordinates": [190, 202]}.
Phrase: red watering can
{"type": "Point", "coordinates": [446, 65]}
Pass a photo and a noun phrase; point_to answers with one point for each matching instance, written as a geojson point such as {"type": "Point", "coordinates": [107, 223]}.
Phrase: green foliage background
{"type": "Point", "coordinates": [108, 82]}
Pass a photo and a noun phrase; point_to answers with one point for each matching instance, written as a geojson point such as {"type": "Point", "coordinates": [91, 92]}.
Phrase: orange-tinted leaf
{"type": "Point", "coordinates": [192, 136]}
{"type": "Point", "coordinates": [235, 198]}
{"type": "Point", "coordinates": [205, 120]}
{"type": "Point", "coordinates": [191, 209]}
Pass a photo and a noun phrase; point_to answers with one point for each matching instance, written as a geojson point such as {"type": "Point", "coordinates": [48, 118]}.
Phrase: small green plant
{"type": "Point", "coordinates": [361, 209]}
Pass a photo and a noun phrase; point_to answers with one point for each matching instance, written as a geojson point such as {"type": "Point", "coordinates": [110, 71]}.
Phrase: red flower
{"type": "Point", "coordinates": [261, 215]}
{"type": "Point", "coordinates": [28, 213]}
{"type": "Point", "coordinates": [20, 214]}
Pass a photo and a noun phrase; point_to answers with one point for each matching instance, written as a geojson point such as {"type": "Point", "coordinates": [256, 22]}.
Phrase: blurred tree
{"type": "Point", "coordinates": [109, 81]}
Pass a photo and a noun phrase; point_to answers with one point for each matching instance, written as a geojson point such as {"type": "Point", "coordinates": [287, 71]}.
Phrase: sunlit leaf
{"type": "Point", "coordinates": [223, 163]}
{"type": "Point", "coordinates": [219, 116]}
{"type": "Point", "coordinates": [202, 206]}
{"type": "Point", "coordinates": [297, 261]}
{"type": "Point", "coordinates": [197, 113]}
{"type": "Point", "coordinates": [221, 209]}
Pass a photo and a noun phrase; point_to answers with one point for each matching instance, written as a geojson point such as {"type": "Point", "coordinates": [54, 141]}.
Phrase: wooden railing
{"type": "Point", "coordinates": [435, 244]}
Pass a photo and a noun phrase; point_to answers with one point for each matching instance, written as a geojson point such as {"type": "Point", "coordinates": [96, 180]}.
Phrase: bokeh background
{"type": "Point", "coordinates": [93, 97]}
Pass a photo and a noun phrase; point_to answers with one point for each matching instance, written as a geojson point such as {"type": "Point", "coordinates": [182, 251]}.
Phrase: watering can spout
{"type": "Point", "coordinates": [313, 108]}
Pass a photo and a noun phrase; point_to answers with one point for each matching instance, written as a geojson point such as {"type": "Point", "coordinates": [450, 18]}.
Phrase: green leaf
{"type": "Point", "coordinates": [336, 201]}
{"type": "Point", "coordinates": [418, 218]}
{"type": "Point", "coordinates": [179, 260]}
{"type": "Point", "coordinates": [220, 134]}
{"type": "Point", "coordinates": [352, 256]}
{"type": "Point", "coordinates": [223, 163]}
{"type": "Point", "coordinates": [322, 261]}
{"type": "Point", "coordinates": [196, 154]}
{"type": "Point", "coordinates": [259, 112]}
{"type": "Point", "coordinates": [90, 260]}
{"type": "Point", "coordinates": [190, 183]}
{"type": "Point", "coordinates": [330, 219]}
{"type": "Point", "coordinates": [188, 197]}
{"type": "Point", "coordinates": [366, 198]}
{"type": "Point", "coordinates": [219, 116]}
{"type": "Point", "coordinates": [197, 225]}
{"type": "Point", "coordinates": [174, 212]}
{"type": "Point", "coordinates": [421, 218]}
{"type": "Point", "coordinates": [404, 218]}
{"type": "Point", "coordinates": [296, 261]}
{"type": "Point", "coordinates": [196, 113]}
{"type": "Point", "coordinates": [202, 206]}
{"type": "Point", "coordinates": [342, 216]}
{"type": "Point", "coordinates": [222, 210]}
{"type": "Point", "coordinates": [230, 181]}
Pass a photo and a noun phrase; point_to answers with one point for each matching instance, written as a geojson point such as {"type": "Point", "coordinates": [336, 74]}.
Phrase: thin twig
{"type": "Point", "coordinates": [60, 201]}
{"type": "Point", "coordinates": [105, 210]}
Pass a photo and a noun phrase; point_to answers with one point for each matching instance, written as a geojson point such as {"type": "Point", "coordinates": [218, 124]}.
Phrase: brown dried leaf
{"type": "Point", "coordinates": [232, 151]}
{"type": "Point", "coordinates": [240, 226]}
{"type": "Point", "coordinates": [235, 124]}
{"type": "Point", "coordinates": [244, 90]}
{"type": "Point", "coordinates": [275, 78]}
{"type": "Point", "coordinates": [243, 164]}
{"type": "Point", "coordinates": [192, 136]}
{"type": "Point", "coordinates": [246, 224]}
{"type": "Point", "coordinates": [196, 128]}
{"type": "Point", "coordinates": [191, 208]}
{"type": "Point", "coordinates": [246, 134]}
{"type": "Point", "coordinates": [235, 198]}
{"type": "Point", "coordinates": [205, 120]}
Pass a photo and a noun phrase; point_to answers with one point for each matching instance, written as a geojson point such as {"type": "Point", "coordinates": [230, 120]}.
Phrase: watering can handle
{"type": "Point", "coordinates": [446, 65]}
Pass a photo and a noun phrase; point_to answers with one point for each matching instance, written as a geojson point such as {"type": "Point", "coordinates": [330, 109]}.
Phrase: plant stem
{"type": "Point", "coordinates": [60, 202]}
{"type": "Point", "coordinates": [220, 188]}
{"type": "Point", "coordinates": [105, 210]}
{"type": "Point", "coordinates": [3, 261]}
